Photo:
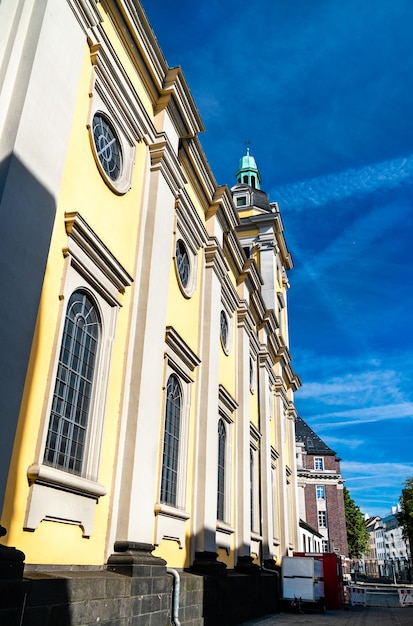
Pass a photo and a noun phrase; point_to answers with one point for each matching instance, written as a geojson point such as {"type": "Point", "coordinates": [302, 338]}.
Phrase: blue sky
{"type": "Point", "coordinates": [323, 89]}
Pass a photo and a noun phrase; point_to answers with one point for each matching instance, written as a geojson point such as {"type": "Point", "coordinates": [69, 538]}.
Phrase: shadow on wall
{"type": "Point", "coordinates": [27, 214]}
{"type": "Point", "coordinates": [38, 600]}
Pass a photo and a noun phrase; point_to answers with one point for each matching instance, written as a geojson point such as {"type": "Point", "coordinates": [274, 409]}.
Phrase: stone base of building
{"type": "Point", "coordinates": [136, 587]}
{"type": "Point", "coordinates": [11, 561]}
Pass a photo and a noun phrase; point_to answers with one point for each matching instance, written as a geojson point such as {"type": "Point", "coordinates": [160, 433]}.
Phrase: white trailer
{"type": "Point", "coordinates": [302, 582]}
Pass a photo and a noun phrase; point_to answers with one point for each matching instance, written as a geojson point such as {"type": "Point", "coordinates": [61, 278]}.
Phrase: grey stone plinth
{"type": "Point", "coordinates": [135, 559]}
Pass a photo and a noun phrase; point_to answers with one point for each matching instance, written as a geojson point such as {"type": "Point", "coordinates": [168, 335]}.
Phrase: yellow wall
{"type": "Point", "coordinates": [125, 61]}
{"type": "Point", "coordinates": [115, 219]}
{"type": "Point", "coordinates": [184, 313]}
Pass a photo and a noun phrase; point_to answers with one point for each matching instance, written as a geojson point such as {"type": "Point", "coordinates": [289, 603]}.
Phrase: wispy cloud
{"type": "Point", "coordinates": [366, 415]}
{"type": "Point", "coordinates": [349, 387]}
{"type": "Point", "coordinates": [323, 190]}
{"type": "Point", "coordinates": [375, 487]}
{"type": "Point", "coordinates": [349, 443]}
{"type": "Point", "coordinates": [365, 392]}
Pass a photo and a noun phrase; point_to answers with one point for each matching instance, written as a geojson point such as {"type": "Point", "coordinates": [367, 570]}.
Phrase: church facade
{"type": "Point", "coordinates": [147, 380]}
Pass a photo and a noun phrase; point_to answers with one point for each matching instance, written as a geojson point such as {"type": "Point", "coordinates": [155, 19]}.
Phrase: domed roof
{"type": "Point", "coordinates": [248, 172]}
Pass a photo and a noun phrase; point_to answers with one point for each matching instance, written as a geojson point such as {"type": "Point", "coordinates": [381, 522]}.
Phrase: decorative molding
{"type": "Point", "coordinates": [227, 404]}
{"type": "Point", "coordinates": [86, 13]}
{"type": "Point", "coordinates": [181, 349]}
{"type": "Point", "coordinates": [58, 496]}
{"type": "Point", "coordinates": [176, 97]}
{"type": "Point", "coordinates": [91, 256]}
{"type": "Point", "coordinates": [164, 159]}
{"type": "Point", "coordinates": [214, 258]}
{"type": "Point", "coordinates": [170, 523]}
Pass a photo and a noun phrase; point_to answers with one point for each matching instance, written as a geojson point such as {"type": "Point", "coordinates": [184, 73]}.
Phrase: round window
{"type": "Point", "coordinates": [182, 263]}
{"type": "Point", "coordinates": [107, 147]}
{"type": "Point", "coordinates": [224, 330]}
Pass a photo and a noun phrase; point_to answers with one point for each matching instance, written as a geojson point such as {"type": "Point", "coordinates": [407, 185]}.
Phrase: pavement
{"type": "Point", "coordinates": [348, 616]}
{"type": "Point", "coordinates": [383, 609]}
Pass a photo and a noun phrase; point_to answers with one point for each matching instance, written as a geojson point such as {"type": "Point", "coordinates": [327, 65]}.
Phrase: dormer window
{"type": "Point", "coordinates": [242, 201]}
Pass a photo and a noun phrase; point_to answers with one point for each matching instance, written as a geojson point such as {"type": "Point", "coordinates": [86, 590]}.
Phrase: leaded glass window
{"type": "Point", "coordinates": [224, 329]}
{"type": "Point", "coordinates": [169, 481]}
{"type": "Point", "coordinates": [66, 438]}
{"type": "Point", "coordinates": [221, 470]}
{"type": "Point", "coordinates": [107, 147]}
{"type": "Point", "coordinates": [182, 262]}
{"type": "Point", "coordinates": [252, 489]}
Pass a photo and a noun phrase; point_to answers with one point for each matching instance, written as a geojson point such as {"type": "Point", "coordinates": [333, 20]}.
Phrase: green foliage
{"type": "Point", "coordinates": [405, 517]}
{"type": "Point", "coordinates": [357, 534]}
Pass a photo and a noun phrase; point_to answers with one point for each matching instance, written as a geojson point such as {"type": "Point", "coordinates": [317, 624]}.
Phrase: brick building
{"type": "Point", "coordinates": [320, 489]}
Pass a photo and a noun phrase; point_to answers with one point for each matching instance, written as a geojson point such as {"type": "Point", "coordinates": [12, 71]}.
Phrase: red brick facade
{"type": "Point", "coordinates": [319, 474]}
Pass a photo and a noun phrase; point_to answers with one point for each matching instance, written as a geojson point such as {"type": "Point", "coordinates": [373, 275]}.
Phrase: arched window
{"type": "Point", "coordinates": [173, 410]}
{"type": "Point", "coordinates": [222, 435]}
{"type": "Point", "coordinates": [66, 437]}
{"type": "Point", "coordinates": [252, 489]}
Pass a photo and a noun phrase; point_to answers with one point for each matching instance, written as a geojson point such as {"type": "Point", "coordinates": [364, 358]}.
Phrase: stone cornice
{"type": "Point", "coordinates": [234, 253]}
{"type": "Point", "coordinates": [86, 13]}
{"type": "Point", "coordinates": [132, 26]}
{"type": "Point", "coordinates": [214, 258]}
{"type": "Point", "coordinates": [115, 87]}
{"type": "Point", "coordinates": [310, 475]}
{"type": "Point", "coordinates": [251, 275]}
{"type": "Point", "coordinates": [164, 159]}
{"type": "Point", "coordinates": [176, 97]}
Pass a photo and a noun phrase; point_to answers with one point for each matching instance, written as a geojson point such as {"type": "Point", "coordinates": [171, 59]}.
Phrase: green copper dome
{"type": "Point", "coordinates": [248, 173]}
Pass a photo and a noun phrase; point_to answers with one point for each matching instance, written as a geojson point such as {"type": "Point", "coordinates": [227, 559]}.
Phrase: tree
{"type": "Point", "coordinates": [357, 533]}
{"type": "Point", "coordinates": [405, 516]}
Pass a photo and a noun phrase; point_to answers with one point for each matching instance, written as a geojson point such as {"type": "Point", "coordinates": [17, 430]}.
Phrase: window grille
{"type": "Point", "coordinates": [169, 479]}
{"type": "Point", "coordinates": [72, 397]}
{"type": "Point", "coordinates": [221, 470]}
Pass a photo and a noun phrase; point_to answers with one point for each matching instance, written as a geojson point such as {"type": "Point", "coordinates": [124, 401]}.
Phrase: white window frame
{"type": "Point", "coordinates": [275, 495]}
{"type": "Point", "coordinates": [191, 231]}
{"type": "Point", "coordinates": [180, 360]}
{"type": "Point", "coordinates": [222, 440]}
{"type": "Point", "coordinates": [320, 492]}
{"type": "Point", "coordinates": [322, 519]}
{"type": "Point", "coordinates": [225, 341]}
{"type": "Point", "coordinates": [57, 495]}
{"type": "Point", "coordinates": [255, 518]}
{"type": "Point", "coordinates": [229, 304]}
{"type": "Point", "coordinates": [112, 96]}
{"type": "Point", "coordinates": [226, 407]}
{"type": "Point", "coordinates": [253, 372]}
{"type": "Point", "coordinates": [319, 463]}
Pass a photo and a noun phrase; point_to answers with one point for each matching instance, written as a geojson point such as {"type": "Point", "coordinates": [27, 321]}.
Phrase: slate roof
{"type": "Point", "coordinates": [312, 442]}
{"type": "Point", "coordinates": [259, 198]}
